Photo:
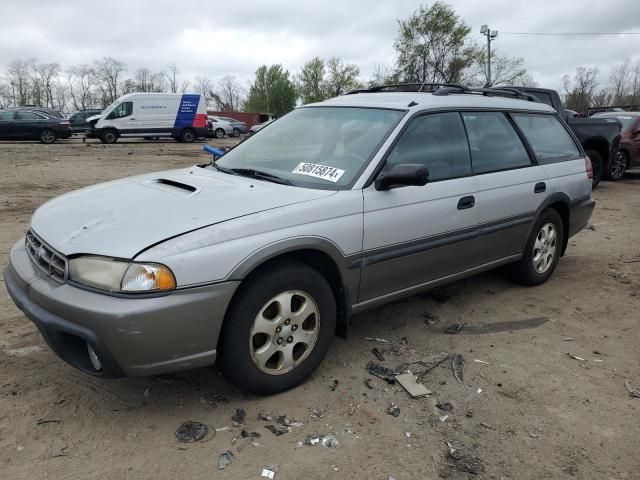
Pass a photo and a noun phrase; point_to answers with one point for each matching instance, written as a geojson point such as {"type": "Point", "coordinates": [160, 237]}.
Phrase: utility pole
{"type": "Point", "coordinates": [491, 35]}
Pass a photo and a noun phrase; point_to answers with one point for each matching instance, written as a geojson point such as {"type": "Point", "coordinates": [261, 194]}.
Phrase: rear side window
{"type": "Point", "coordinates": [29, 116]}
{"type": "Point", "coordinates": [123, 110]}
{"type": "Point", "coordinates": [437, 141]}
{"type": "Point", "coordinates": [7, 115]}
{"type": "Point", "coordinates": [547, 136]}
{"type": "Point", "coordinates": [543, 97]}
{"type": "Point", "coordinates": [494, 143]}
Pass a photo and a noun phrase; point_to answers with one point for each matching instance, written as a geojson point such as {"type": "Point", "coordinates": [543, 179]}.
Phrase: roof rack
{"type": "Point", "coordinates": [441, 89]}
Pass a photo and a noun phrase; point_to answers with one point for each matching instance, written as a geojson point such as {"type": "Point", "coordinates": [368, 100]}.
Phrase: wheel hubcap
{"type": "Point", "coordinates": [284, 332]}
{"type": "Point", "coordinates": [47, 136]}
{"type": "Point", "coordinates": [618, 166]}
{"type": "Point", "coordinates": [544, 248]}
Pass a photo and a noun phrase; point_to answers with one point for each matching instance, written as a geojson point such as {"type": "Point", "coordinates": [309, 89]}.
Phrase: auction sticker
{"type": "Point", "coordinates": [324, 172]}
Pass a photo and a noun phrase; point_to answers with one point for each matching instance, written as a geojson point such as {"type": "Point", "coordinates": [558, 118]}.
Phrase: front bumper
{"type": "Point", "coordinates": [131, 336]}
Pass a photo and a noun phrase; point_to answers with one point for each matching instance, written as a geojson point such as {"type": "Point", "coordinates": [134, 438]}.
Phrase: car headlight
{"type": "Point", "coordinates": [121, 276]}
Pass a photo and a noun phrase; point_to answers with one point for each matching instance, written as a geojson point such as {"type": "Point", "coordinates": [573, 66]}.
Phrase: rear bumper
{"type": "Point", "coordinates": [131, 336]}
{"type": "Point", "coordinates": [580, 212]}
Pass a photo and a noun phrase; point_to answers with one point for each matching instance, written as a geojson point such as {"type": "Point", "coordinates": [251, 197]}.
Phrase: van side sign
{"type": "Point", "coordinates": [187, 110]}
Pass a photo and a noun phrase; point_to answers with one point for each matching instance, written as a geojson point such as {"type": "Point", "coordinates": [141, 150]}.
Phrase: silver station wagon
{"type": "Point", "coordinates": [257, 260]}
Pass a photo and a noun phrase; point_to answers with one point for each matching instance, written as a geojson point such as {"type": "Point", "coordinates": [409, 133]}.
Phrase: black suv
{"type": "Point", "coordinates": [78, 120]}
{"type": "Point", "coordinates": [32, 123]}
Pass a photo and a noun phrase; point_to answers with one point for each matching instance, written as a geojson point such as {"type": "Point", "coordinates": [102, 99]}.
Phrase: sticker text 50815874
{"type": "Point", "coordinates": [324, 172]}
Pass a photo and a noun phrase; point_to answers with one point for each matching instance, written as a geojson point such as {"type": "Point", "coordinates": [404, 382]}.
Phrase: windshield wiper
{"type": "Point", "coordinates": [270, 177]}
{"type": "Point", "coordinates": [230, 171]}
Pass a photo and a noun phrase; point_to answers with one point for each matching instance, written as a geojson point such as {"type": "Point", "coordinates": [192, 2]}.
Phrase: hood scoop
{"type": "Point", "coordinates": [172, 186]}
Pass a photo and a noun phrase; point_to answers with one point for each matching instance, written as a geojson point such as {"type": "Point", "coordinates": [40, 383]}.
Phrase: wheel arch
{"type": "Point", "coordinates": [600, 145]}
{"type": "Point", "coordinates": [561, 203]}
{"type": "Point", "coordinates": [318, 253]}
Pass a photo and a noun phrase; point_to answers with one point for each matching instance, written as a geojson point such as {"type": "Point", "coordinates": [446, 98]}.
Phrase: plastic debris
{"type": "Point", "coordinates": [445, 407]}
{"type": "Point", "coordinates": [481, 361]}
{"type": "Point", "coordinates": [334, 385]}
{"type": "Point", "coordinates": [384, 373]}
{"type": "Point", "coordinates": [246, 434]}
{"type": "Point", "coordinates": [368, 383]}
{"type": "Point", "coordinates": [393, 410]}
{"type": "Point", "coordinates": [268, 473]}
{"type": "Point", "coordinates": [239, 416]}
{"type": "Point", "coordinates": [408, 382]}
{"type": "Point", "coordinates": [634, 392]}
{"type": "Point", "coordinates": [378, 354]}
{"type": "Point", "coordinates": [191, 432]}
{"type": "Point", "coordinates": [454, 328]}
{"type": "Point", "coordinates": [312, 440]}
{"type": "Point", "coordinates": [225, 459]}
{"type": "Point", "coordinates": [329, 441]}
{"type": "Point", "coordinates": [266, 416]}
{"type": "Point", "coordinates": [375, 339]}
{"type": "Point", "coordinates": [443, 418]}
{"type": "Point", "coordinates": [282, 420]}
{"type": "Point", "coordinates": [277, 430]}
{"type": "Point", "coordinates": [575, 357]}
{"type": "Point", "coordinates": [456, 366]}
{"type": "Point", "coordinates": [318, 412]}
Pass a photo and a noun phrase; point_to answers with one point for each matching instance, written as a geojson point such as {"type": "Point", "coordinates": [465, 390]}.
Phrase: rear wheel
{"type": "Point", "coordinates": [109, 136]}
{"type": "Point", "coordinates": [617, 166]}
{"type": "Point", "coordinates": [236, 132]}
{"type": "Point", "coordinates": [47, 135]}
{"type": "Point", "coordinates": [187, 135]}
{"type": "Point", "coordinates": [278, 329]}
{"type": "Point", "coordinates": [219, 133]}
{"type": "Point", "coordinates": [598, 167]}
{"type": "Point", "coordinates": [542, 252]}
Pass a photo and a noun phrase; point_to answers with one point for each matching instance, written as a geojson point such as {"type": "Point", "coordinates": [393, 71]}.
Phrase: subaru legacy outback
{"type": "Point", "coordinates": [257, 260]}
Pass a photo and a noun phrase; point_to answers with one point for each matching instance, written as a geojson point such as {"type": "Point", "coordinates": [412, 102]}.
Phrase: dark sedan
{"type": "Point", "coordinates": [27, 124]}
{"type": "Point", "coordinates": [78, 120]}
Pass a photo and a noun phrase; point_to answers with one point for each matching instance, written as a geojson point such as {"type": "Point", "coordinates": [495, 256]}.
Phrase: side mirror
{"type": "Point", "coordinates": [402, 175]}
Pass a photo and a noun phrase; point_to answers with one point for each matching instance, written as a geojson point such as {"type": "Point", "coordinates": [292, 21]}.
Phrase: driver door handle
{"type": "Point", "coordinates": [466, 202]}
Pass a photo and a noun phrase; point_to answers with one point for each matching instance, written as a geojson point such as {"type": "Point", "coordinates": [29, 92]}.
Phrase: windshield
{"type": "Point", "coordinates": [316, 147]}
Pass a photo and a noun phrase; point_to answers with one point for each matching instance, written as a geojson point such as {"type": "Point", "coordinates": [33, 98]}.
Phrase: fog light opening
{"type": "Point", "coordinates": [93, 356]}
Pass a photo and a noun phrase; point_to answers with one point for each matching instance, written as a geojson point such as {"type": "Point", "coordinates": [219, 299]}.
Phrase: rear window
{"type": "Point", "coordinates": [543, 97]}
{"type": "Point", "coordinates": [547, 136]}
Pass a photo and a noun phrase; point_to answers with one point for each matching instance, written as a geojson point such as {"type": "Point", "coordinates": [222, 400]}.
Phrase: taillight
{"type": "Point", "coordinates": [589, 167]}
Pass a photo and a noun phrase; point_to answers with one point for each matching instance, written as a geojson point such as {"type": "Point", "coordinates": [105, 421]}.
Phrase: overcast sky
{"type": "Point", "coordinates": [235, 37]}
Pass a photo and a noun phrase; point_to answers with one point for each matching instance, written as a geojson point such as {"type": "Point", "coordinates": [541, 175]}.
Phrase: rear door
{"type": "Point", "coordinates": [414, 235]}
{"type": "Point", "coordinates": [27, 124]}
{"type": "Point", "coordinates": [510, 185]}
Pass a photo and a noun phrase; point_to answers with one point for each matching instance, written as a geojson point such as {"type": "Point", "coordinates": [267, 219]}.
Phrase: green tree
{"type": "Point", "coordinates": [271, 92]}
{"type": "Point", "coordinates": [311, 81]}
{"type": "Point", "coordinates": [341, 77]}
{"type": "Point", "coordinates": [433, 46]}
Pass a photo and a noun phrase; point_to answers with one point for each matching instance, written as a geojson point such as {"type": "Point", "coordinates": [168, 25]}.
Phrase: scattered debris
{"type": "Point", "coordinates": [329, 441]}
{"type": "Point", "coordinates": [334, 385]}
{"type": "Point", "coordinates": [277, 430]}
{"type": "Point", "coordinates": [591, 227]}
{"type": "Point", "coordinates": [239, 416]}
{"type": "Point", "coordinates": [191, 432]}
{"type": "Point", "coordinates": [266, 416]}
{"type": "Point", "coordinates": [533, 435]}
{"type": "Point", "coordinates": [246, 434]}
{"type": "Point", "coordinates": [575, 357]}
{"type": "Point", "coordinates": [368, 383]}
{"type": "Point", "coordinates": [225, 459]}
{"type": "Point", "coordinates": [486, 425]}
{"type": "Point", "coordinates": [222, 429]}
{"type": "Point", "coordinates": [375, 339]}
{"type": "Point", "coordinates": [445, 407]}
{"type": "Point", "coordinates": [443, 418]}
{"type": "Point", "coordinates": [393, 410]}
{"type": "Point", "coordinates": [318, 412]}
{"type": "Point", "coordinates": [384, 373]}
{"type": "Point", "coordinates": [634, 392]}
{"type": "Point", "coordinates": [479, 390]}
{"type": "Point", "coordinates": [456, 366]}
{"type": "Point", "coordinates": [268, 473]}
{"type": "Point", "coordinates": [431, 363]}
{"type": "Point", "coordinates": [312, 440]}
{"type": "Point", "coordinates": [481, 361]}
{"type": "Point", "coordinates": [430, 318]}
{"type": "Point", "coordinates": [42, 421]}
{"type": "Point", "coordinates": [454, 328]}
{"type": "Point", "coordinates": [568, 339]}
{"type": "Point", "coordinates": [378, 354]}
{"type": "Point", "coordinates": [413, 388]}
{"type": "Point", "coordinates": [464, 463]}
{"type": "Point", "coordinates": [245, 443]}
{"type": "Point", "coordinates": [282, 420]}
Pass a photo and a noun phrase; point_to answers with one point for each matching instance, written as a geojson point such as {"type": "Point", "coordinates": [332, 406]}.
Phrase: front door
{"type": "Point", "coordinates": [6, 124]}
{"type": "Point", "coordinates": [414, 235]}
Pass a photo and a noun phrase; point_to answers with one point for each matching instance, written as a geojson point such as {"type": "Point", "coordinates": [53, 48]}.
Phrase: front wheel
{"type": "Point", "coordinates": [278, 329]}
{"type": "Point", "coordinates": [47, 136]}
{"type": "Point", "coordinates": [597, 165]}
{"type": "Point", "coordinates": [187, 135]}
{"type": "Point", "coordinates": [542, 252]}
{"type": "Point", "coordinates": [617, 166]}
{"type": "Point", "coordinates": [219, 133]}
{"type": "Point", "coordinates": [236, 132]}
{"type": "Point", "coordinates": [109, 136]}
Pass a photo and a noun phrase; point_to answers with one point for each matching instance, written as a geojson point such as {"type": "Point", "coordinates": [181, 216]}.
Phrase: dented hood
{"type": "Point", "coordinates": [123, 217]}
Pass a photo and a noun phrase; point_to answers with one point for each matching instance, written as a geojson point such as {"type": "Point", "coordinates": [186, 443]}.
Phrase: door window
{"type": "Point", "coordinates": [29, 116]}
{"type": "Point", "coordinates": [123, 110]}
{"type": "Point", "coordinates": [437, 141]}
{"type": "Point", "coordinates": [547, 136]}
{"type": "Point", "coordinates": [494, 143]}
{"type": "Point", "coordinates": [7, 115]}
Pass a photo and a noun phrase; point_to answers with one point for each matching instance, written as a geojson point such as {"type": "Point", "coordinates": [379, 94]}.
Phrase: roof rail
{"type": "Point", "coordinates": [406, 87]}
{"type": "Point", "coordinates": [442, 89]}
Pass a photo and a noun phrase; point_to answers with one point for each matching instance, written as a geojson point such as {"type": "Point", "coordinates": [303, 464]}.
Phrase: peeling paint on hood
{"type": "Point", "coordinates": [123, 217]}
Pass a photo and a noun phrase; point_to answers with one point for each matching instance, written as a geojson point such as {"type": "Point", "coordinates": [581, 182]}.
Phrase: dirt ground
{"type": "Point", "coordinates": [530, 412]}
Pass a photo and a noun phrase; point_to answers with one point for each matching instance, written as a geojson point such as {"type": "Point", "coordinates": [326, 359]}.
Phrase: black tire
{"type": "Point", "coordinates": [218, 133]}
{"type": "Point", "coordinates": [109, 136]}
{"type": "Point", "coordinates": [188, 135]}
{"type": "Point", "coordinates": [598, 167]}
{"type": "Point", "coordinates": [236, 132]}
{"type": "Point", "coordinates": [234, 351]}
{"type": "Point", "coordinates": [524, 271]}
{"type": "Point", "coordinates": [617, 166]}
{"type": "Point", "coordinates": [47, 136]}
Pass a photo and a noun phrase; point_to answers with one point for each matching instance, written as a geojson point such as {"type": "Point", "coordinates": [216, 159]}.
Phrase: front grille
{"type": "Point", "coordinates": [46, 258]}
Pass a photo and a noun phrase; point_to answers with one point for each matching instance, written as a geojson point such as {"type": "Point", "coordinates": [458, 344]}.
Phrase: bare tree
{"type": "Point", "coordinates": [81, 81]}
{"type": "Point", "coordinates": [109, 73]}
{"type": "Point", "coordinates": [49, 77]}
{"type": "Point", "coordinates": [203, 86]}
{"type": "Point", "coordinates": [18, 74]}
{"type": "Point", "coordinates": [229, 94]}
{"type": "Point", "coordinates": [620, 81]}
{"type": "Point", "coordinates": [185, 85]}
{"type": "Point", "coordinates": [171, 74]}
{"type": "Point", "coordinates": [579, 96]}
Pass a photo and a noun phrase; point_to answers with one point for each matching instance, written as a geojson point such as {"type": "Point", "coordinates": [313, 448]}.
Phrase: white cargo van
{"type": "Point", "coordinates": [182, 116]}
